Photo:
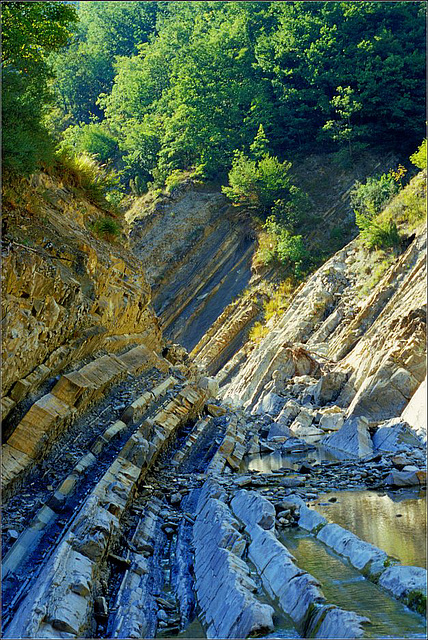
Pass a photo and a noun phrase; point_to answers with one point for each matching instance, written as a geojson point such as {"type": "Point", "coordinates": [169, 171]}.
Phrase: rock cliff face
{"type": "Point", "coordinates": [66, 293]}
{"type": "Point", "coordinates": [362, 350]}
{"type": "Point", "coordinates": [197, 258]}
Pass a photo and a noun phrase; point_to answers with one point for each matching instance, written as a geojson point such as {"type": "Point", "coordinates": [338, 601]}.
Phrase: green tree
{"type": "Point", "coordinates": [260, 146]}
{"type": "Point", "coordinates": [341, 129]}
{"type": "Point", "coordinates": [31, 31]}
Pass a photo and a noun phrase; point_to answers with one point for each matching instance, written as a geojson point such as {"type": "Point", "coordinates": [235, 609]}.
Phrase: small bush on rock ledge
{"type": "Point", "coordinates": [106, 228]}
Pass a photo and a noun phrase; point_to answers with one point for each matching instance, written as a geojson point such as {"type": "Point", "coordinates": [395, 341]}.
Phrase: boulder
{"type": "Point", "coordinates": [393, 434]}
{"type": "Point", "coordinates": [278, 431]}
{"type": "Point", "coordinates": [405, 478]}
{"type": "Point", "coordinates": [311, 520]}
{"type": "Point", "coordinates": [353, 438]}
{"type": "Point", "coordinates": [402, 581]}
{"type": "Point", "coordinates": [271, 403]}
{"type": "Point", "coordinates": [210, 385]}
{"type": "Point", "coordinates": [332, 419]}
{"type": "Point", "coordinates": [415, 414]}
{"type": "Point", "coordinates": [289, 411]}
{"type": "Point", "coordinates": [332, 622]}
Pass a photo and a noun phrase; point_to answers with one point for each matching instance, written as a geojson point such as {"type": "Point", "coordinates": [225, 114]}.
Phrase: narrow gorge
{"type": "Point", "coordinates": [166, 475]}
{"type": "Point", "coordinates": [213, 250]}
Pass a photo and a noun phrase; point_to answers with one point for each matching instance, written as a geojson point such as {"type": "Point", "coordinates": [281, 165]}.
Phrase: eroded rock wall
{"type": "Point", "coordinates": [66, 293]}
{"type": "Point", "coordinates": [197, 257]}
{"type": "Point", "coordinates": [369, 346]}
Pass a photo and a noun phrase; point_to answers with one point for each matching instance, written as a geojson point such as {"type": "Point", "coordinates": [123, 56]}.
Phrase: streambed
{"type": "Point", "coordinates": [346, 587]}
{"type": "Point", "coordinates": [393, 521]}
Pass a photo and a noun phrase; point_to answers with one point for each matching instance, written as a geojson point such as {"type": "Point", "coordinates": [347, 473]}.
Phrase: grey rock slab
{"type": "Point", "coordinates": [362, 555]}
{"type": "Point", "coordinates": [353, 438]}
{"type": "Point", "coordinates": [311, 520]}
{"type": "Point", "coordinates": [278, 430]}
{"type": "Point", "coordinates": [299, 596]}
{"type": "Point", "coordinates": [288, 413]}
{"type": "Point", "coordinates": [332, 622]}
{"type": "Point", "coordinates": [329, 387]}
{"type": "Point", "coordinates": [265, 547]}
{"type": "Point", "coordinates": [253, 509]}
{"type": "Point", "coordinates": [393, 434]}
{"type": "Point", "coordinates": [271, 403]}
{"type": "Point", "coordinates": [402, 580]}
{"type": "Point", "coordinates": [402, 478]}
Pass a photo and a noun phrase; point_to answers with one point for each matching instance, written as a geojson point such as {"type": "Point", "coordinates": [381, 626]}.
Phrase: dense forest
{"type": "Point", "coordinates": [143, 92]}
{"type": "Point", "coordinates": [151, 87]}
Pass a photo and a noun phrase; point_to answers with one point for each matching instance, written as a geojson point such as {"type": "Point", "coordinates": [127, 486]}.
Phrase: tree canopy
{"type": "Point", "coordinates": [31, 31]}
{"type": "Point", "coordinates": [155, 87]}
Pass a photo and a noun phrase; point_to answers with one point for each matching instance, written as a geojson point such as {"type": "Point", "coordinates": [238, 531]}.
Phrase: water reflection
{"type": "Point", "coordinates": [278, 460]}
{"type": "Point", "coordinates": [346, 587]}
{"type": "Point", "coordinates": [396, 526]}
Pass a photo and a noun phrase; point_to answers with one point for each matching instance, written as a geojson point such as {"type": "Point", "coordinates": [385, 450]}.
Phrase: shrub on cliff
{"type": "Point", "coordinates": [263, 186]}
{"type": "Point", "coordinates": [419, 158]}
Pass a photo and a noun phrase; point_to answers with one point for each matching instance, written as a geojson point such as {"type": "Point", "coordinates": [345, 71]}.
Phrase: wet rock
{"type": "Point", "coordinates": [244, 481]}
{"type": "Point", "coordinates": [223, 583]}
{"type": "Point", "coordinates": [311, 520]}
{"type": "Point", "coordinates": [100, 606]}
{"type": "Point", "coordinates": [12, 534]}
{"type": "Point", "coordinates": [404, 478]}
{"type": "Point", "coordinates": [362, 555]}
{"type": "Point", "coordinates": [404, 582]}
{"type": "Point", "coordinates": [332, 622]}
{"type": "Point", "coordinates": [265, 448]}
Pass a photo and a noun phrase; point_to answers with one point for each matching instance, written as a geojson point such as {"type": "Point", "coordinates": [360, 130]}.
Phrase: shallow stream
{"type": "Point", "coordinates": [394, 521]}
{"type": "Point", "coordinates": [347, 588]}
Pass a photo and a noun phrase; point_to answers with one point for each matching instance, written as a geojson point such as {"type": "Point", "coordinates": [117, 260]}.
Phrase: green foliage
{"type": "Point", "coordinates": [83, 172]}
{"type": "Point", "coordinates": [107, 228]}
{"type": "Point", "coordinates": [377, 271]}
{"type": "Point", "coordinates": [419, 158]}
{"type": "Point", "coordinates": [94, 139]}
{"type": "Point", "coordinates": [417, 601]}
{"type": "Point", "coordinates": [182, 84]}
{"type": "Point", "coordinates": [30, 32]}
{"type": "Point", "coordinates": [289, 249]}
{"type": "Point", "coordinates": [260, 146]}
{"type": "Point", "coordinates": [264, 187]}
{"type": "Point", "coordinates": [378, 234]}
{"type": "Point", "coordinates": [369, 198]}
{"type": "Point", "coordinates": [258, 332]}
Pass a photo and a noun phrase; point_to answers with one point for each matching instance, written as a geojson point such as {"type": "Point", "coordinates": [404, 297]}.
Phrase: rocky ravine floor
{"type": "Point", "coordinates": [150, 523]}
